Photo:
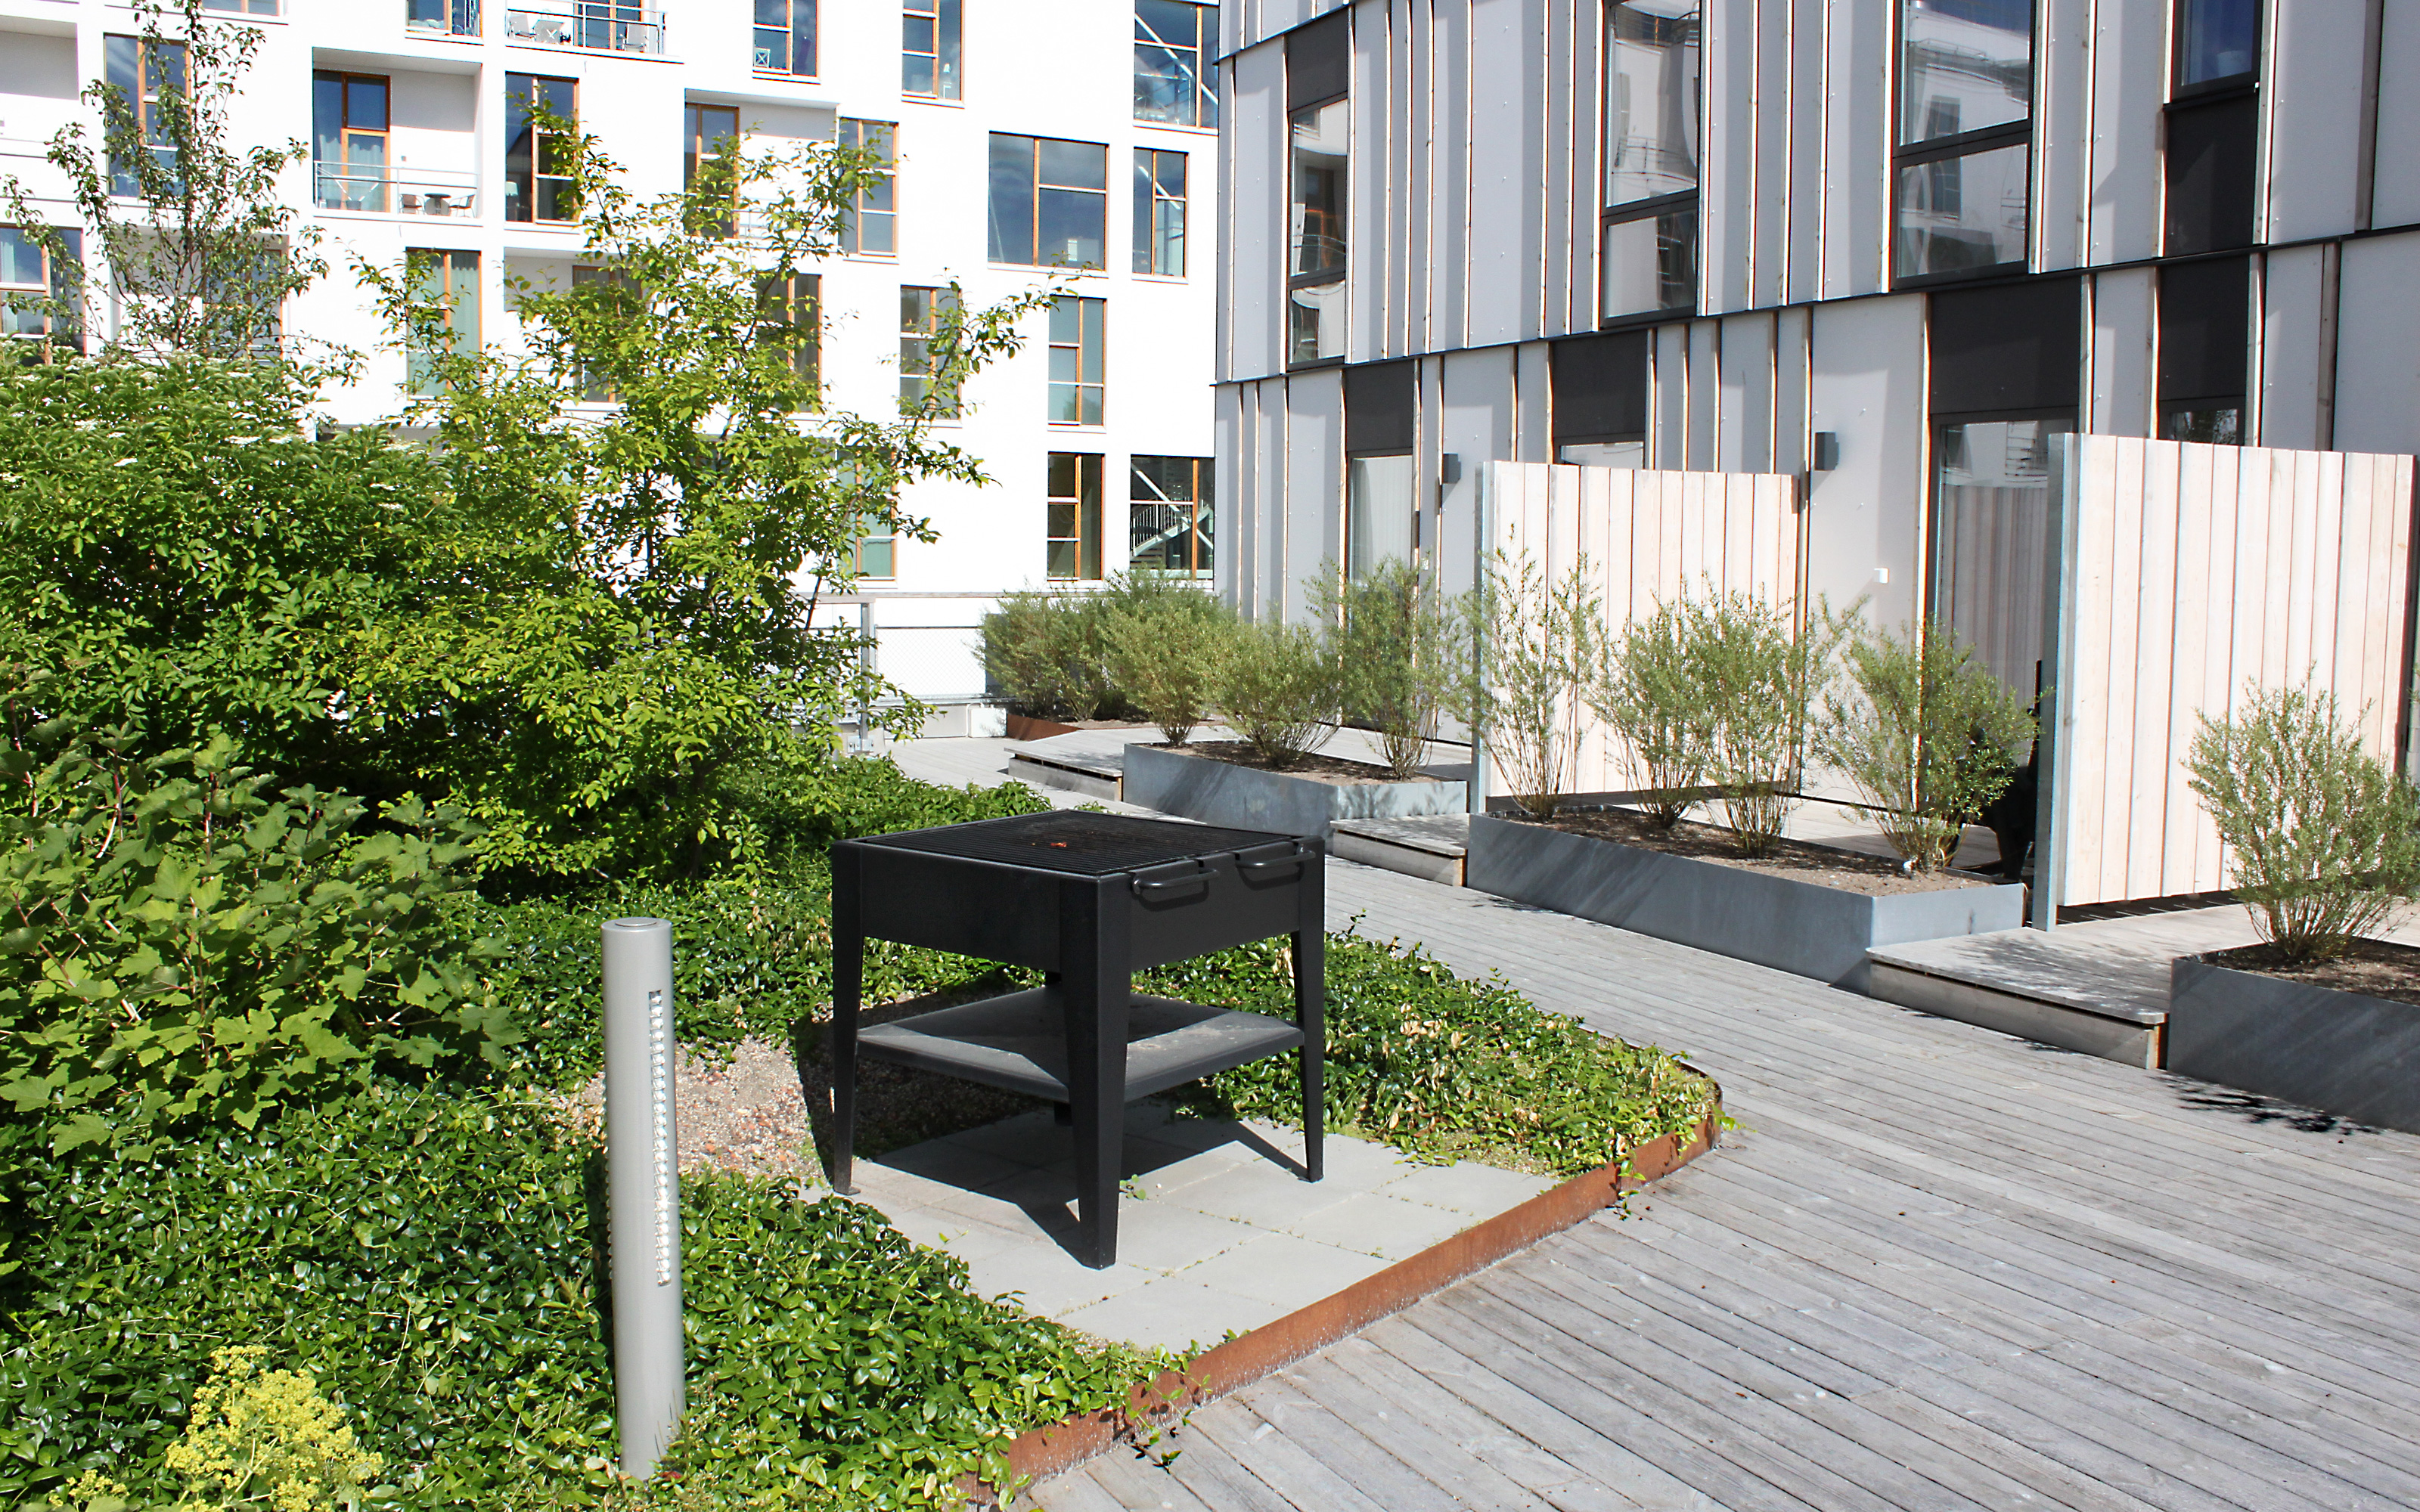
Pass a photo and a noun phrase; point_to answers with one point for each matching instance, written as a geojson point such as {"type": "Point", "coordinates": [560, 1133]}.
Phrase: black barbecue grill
{"type": "Point", "coordinates": [1086, 899]}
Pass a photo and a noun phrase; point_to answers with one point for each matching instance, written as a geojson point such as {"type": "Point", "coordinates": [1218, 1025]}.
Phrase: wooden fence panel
{"type": "Point", "coordinates": [2194, 571]}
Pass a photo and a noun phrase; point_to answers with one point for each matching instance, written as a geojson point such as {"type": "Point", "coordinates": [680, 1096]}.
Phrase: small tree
{"type": "Point", "coordinates": [1397, 655]}
{"type": "Point", "coordinates": [1280, 691]}
{"type": "Point", "coordinates": [1048, 652]}
{"type": "Point", "coordinates": [1762, 679]}
{"type": "Point", "coordinates": [1652, 693]}
{"type": "Point", "coordinates": [1927, 733]}
{"type": "Point", "coordinates": [2326, 840]}
{"type": "Point", "coordinates": [185, 233]}
{"type": "Point", "coordinates": [1541, 645]}
{"type": "Point", "coordinates": [1168, 644]}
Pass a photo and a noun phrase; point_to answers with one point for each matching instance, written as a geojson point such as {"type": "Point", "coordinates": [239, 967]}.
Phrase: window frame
{"type": "Point", "coordinates": [1612, 214]}
{"type": "Point", "coordinates": [1201, 112]}
{"type": "Point", "coordinates": [948, 55]}
{"type": "Point", "coordinates": [1193, 516]}
{"type": "Point", "coordinates": [1149, 197]}
{"type": "Point", "coordinates": [542, 145]}
{"type": "Point", "coordinates": [462, 18]}
{"type": "Point", "coordinates": [916, 331]}
{"type": "Point", "coordinates": [790, 31]}
{"type": "Point", "coordinates": [1034, 190]}
{"type": "Point", "coordinates": [2248, 82]}
{"type": "Point", "coordinates": [1297, 234]}
{"type": "Point", "coordinates": [695, 146]}
{"type": "Point", "coordinates": [143, 98]}
{"type": "Point", "coordinates": [56, 284]}
{"type": "Point", "coordinates": [1090, 346]}
{"type": "Point", "coordinates": [450, 263]}
{"type": "Point", "coordinates": [881, 137]}
{"type": "Point", "coordinates": [780, 304]}
{"type": "Point", "coordinates": [1958, 146]}
{"type": "Point", "coordinates": [1084, 512]}
{"type": "Point", "coordinates": [342, 164]}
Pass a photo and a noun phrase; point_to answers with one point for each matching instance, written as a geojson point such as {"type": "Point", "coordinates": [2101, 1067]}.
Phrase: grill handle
{"type": "Point", "coordinates": [1249, 865]}
{"type": "Point", "coordinates": [1157, 883]}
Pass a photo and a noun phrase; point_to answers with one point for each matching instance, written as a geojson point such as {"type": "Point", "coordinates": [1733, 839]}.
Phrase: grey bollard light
{"type": "Point", "coordinates": [643, 1173]}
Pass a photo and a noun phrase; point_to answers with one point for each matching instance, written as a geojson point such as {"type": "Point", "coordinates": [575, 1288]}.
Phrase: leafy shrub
{"type": "Point", "coordinates": [1167, 648]}
{"type": "Point", "coordinates": [1927, 733]}
{"type": "Point", "coordinates": [1441, 1068]}
{"type": "Point", "coordinates": [1397, 656]}
{"type": "Point", "coordinates": [181, 945]}
{"type": "Point", "coordinates": [1760, 679]}
{"type": "Point", "coordinates": [434, 1264]}
{"type": "Point", "coordinates": [1652, 693]}
{"type": "Point", "coordinates": [1542, 647]}
{"type": "Point", "coordinates": [1280, 691]}
{"type": "Point", "coordinates": [2325, 838]}
{"type": "Point", "coordinates": [1048, 652]}
{"type": "Point", "coordinates": [258, 1436]}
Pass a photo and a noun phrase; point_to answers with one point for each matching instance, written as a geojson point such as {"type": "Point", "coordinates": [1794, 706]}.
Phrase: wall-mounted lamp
{"type": "Point", "coordinates": [1449, 469]}
{"type": "Point", "coordinates": [1827, 451]}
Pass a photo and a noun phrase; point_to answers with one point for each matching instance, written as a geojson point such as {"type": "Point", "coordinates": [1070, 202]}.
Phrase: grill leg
{"type": "Point", "coordinates": [1093, 991]}
{"type": "Point", "coordinates": [1310, 1006]}
{"type": "Point", "coordinates": [848, 983]}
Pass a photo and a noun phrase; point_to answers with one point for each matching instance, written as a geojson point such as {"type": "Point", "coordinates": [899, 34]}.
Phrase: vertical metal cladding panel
{"type": "Point", "coordinates": [1705, 393]}
{"type": "Point", "coordinates": [1314, 481]}
{"type": "Point", "coordinates": [2291, 348]}
{"type": "Point", "coordinates": [1253, 181]}
{"type": "Point", "coordinates": [2129, 75]}
{"type": "Point", "coordinates": [2122, 324]}
{"type": "Point", "coordinates": [2394, 199]}
{"type": "Point", "coordinates": [1727, 225]}
{"type": "Point", "coordinates": [2064, 134]}
{"type": "Point", "coordinates": [1404, 144]}
{"type": "Point", "coordinates": [1583, 137]}
{"type": "Point", "coordinates": [1448, 246]}
{"type": "Point", "coordinates": [2377, 359]}
{"type": "Point", "coordinates": [1668, 410]}
{"type": "Point", "coordinates": [1232, 488]}
{"type": "Point", "coordinates": [1373, 170]}
{"type": "Point", "coordinates": [1506, 171]}
{"type": "Point", "coordinates": [1789, 439]}
{"type": "Point", "coordinates": [1475, 410]}
{"type": "Point", "coordinates": [1415, 24]}
{"type": "Point", "coordinates": [1458, 502]}
{"type": "Point", "coordinates": [1769, 257]}
{"type": "Point", "coordinates": [2315, 100]}
{"type": "Point", "coordinates": [1856, 149]}
{"type": "Point", "coordinates": [1747, 444]}
{"type": "Point", "coordinates": [1809, 26]}
{"type": "Point", "coordinates": [1866, 514]}
{"type": "Point", "coordinates": [1533, 394]}
{"type": "Point", "coordinates": [1271, 432]}
{"type": "Point", "coordinates": [1554, 58]}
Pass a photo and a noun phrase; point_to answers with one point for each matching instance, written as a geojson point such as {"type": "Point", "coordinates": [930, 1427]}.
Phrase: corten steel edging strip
{"type": "Point", "coordinates": [1236, 1364]}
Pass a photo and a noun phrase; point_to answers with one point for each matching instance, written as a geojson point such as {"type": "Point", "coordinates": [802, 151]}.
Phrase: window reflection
{"type": "Point", "coordinates": [2216, 40]}
{"type": "Point", "coordinates": [1964, 212]}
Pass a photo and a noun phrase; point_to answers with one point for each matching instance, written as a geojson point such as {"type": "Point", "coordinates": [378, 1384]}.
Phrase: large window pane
{"type": "Point", "coordinates": [928, 52]}
{"type": "Point", "coordinates": [451, 278]}
{"type": "Point", "coordinates": [1651, 263]}
{"type": "Point", "coordinates": [1049, 202]}
{"type": "Point", "coordinates": [786, 36]}
{"type": "Point", "coordinates": [1319, 167]}
{"type": "Point", "coordinates": [1381, 497]}
{"type": "Point", "coordinates": [1316, 330]}
{"type": "Point", "coordinates": [1073, 516]}
{"type": "Point", "coordinates": [1174, 44]}
{"type": "Point", "coordinates": [1991, 539]}
{"type": "Point", "coordinates": [538, 163]}
{"type": "Point", "coordinates": [2216, 40]}
{"type": "Point", "coordinates": [1651, 100]}
{"type": "Point", "coordinates": [870, 224]}
{"type": "Point", "coordinates": [1159, 212]}
{"type": "Point", "coordinates": [1961, 213]}
{"type": "Point", "coordinates": [1078, 358]}
{"type": "Point", "coordinates": [1965, 65]}
{"type": "Point", "coordinates": [1169, 521]}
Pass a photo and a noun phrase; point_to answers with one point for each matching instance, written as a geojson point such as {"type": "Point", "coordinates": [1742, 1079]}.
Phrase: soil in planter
{"type": "Point", "coordinates": [1796, 860]}
{"type": "Point", "coordinates": [1315, 766]}
{"type": "Point", "coordinates": [2374, 969]}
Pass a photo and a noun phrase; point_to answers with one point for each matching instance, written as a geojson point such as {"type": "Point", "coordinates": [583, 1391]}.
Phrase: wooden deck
{"type": "Point", "coordinates": [1937, 1268]}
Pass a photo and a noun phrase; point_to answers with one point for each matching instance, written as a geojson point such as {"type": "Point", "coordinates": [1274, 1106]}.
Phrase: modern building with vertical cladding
{"type": "Point", "coordinates": [1887, 245]}
{"type": "Point", "coordinates": [1028, 142]}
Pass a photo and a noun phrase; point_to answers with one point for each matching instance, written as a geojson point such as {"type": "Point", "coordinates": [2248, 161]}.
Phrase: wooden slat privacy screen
{"type": "Point", "coordinates": [1648, 537]}
{"type": "Point", "coordinates": [2190, 571]}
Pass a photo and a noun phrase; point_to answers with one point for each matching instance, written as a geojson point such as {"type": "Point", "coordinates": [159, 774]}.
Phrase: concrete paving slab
{"type": "Point", "coordinates": [1372, 1223]}
{"type": "Point", "coordinates": [1170, 1315]}
{"type": "Point", "coordinates": [1283, 1269]}
{"type": "Point", "coordinates": [1261, 1193]}
{"type": "Point", "coordinates": [1479, 1191]}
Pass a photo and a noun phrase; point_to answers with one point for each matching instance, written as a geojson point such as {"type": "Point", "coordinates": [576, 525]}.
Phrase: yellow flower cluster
{"type": "Point", "coordinates": [267, 1438]}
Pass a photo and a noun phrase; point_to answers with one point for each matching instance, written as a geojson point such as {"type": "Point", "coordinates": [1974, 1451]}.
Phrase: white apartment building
{"type": "Point", "coordinates": [1889, 246]}
{"type": "Point", "coordinates": [1027, 139]}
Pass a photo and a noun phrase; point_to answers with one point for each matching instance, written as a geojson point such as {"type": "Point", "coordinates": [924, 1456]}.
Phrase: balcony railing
{"type": "Point", "coordinates": [400, 191]}
{"type": "Point", "coordinates": [604, 28]}
{"type": "Point", "coordinates": [446, 18]}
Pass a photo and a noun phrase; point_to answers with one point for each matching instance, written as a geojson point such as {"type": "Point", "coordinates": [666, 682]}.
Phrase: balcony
{"type": "Point", "coordinates": [601, 28]}
{"type": "Point", "coordinates": [443, 17]}
{"type": "Point", "coordinates": [373, 190]}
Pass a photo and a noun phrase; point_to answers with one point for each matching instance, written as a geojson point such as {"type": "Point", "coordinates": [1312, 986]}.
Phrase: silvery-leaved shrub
{"type": "Point", "coordinates": [2324, 839]}
{"type": "Point", "coordinates": [1167, 642]}
{"type": "Point", "coordinates": [1542, 647]}
{"type": "Point", "coordinates": [1399, 655]}
{"type": "Point", "coordinates": [1280, 690]}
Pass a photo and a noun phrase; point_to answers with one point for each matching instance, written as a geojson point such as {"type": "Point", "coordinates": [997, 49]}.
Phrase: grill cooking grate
{"type": "Point", "coordinates": [1086, 845]}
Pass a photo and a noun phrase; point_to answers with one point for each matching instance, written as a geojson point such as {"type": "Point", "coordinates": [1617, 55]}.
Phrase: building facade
{"type": "Point", "coordinates": [1022, 148]}
{"type": "Point", "coordinates": [1889, 246]}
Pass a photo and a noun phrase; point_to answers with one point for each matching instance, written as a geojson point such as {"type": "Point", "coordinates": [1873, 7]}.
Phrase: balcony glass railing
{"type": "Point", "coordinates": [400, 191]}
{"type": "Point", "coordinates": [603, 27]}
{"type": "Point", "coordinates": [447, 17]}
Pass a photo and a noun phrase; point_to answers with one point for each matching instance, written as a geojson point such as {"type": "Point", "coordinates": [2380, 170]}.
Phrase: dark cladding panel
{"type": "Point", "coordinates": [2007, 346]}
{"type": "Point", "coordinates": [2212, 152]}
{"type": "Point", "coordinates": [1381, 400]}
{"type": "Point", "coordinates": [1601, 388]}
{"type": "Point", "coordinates": [2205, 329]}
{"type": "Point", "coordinates": [1319, 60]}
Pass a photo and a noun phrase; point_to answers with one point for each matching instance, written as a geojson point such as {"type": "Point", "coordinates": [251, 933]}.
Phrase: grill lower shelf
{"type": "Point", "coordinates": [1019, 1042]}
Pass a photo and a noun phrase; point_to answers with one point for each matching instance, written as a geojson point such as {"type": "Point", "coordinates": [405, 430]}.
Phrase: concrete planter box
{"type": "Point", "coordinates": [2345, 1053]}
{"type": "Point", "coordinates": [1245, 797]}
{"type": "Point", "coordinates": [1797, 927]}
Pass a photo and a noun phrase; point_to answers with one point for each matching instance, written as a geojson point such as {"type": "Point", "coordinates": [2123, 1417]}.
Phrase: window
{"type": "Point", "coordinates": [1318, 68]}
{"type": "Point", "coordinates": [928, 49]}
{"type": "Point", "coordinates": [1049, 201]}
{"type": "Point", "coordinates": [349, 147]}
{"type": "Point", "coordinates": [537, 162]}
{"type": "Point", "coordinates": [452, 277]}
{"type": "Point", "coordinates": [1599, 390]}
{"type": "Point", "coordinates": [877, 548]}
{"type": "Point", "coordinates": [1074, 516]}
{"type": "Point", "coordinates": [1159, 212]}
{"type": "Point", "coordinates": [2213, 128]}
{"type": "Point", "coordinates": [786, 36]}
{"type": "Point", "coordinates": [607, 288]}
{"type": "Point", "coordinates": [1168, 522]}
{"type": "Point", "coordinates": [248, 7]}
{"type": "Point", "coordinates": [455, 17]}
{"type": "Point", "coordinates": [870, 225]}
{"type": "Point", "coordinates": [37, 283]}
{"type": "Point", "coordinates": [704, 130]}
{"type": "Point", "coordinates": [1965, 130]}
{"type": "Point", "coordinates": [2218, 43]}
{"type": "Point", "coordinates": [922, 313]}
{"type": "Point", "coordinates": [1077, 360]}
{"type": "Point", "coordinates": [1174, 47]}
{"type": "Point", "coordinates": [1382, 496]}
{"type": "Point", "coordinates": [2205, 349]}
{"type": "Point", "coordinates": [790, 319]}
{"type": "Point", "coordinates": [1648, 230]}
{"type": "Point", "coordinates": [144, 72]}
